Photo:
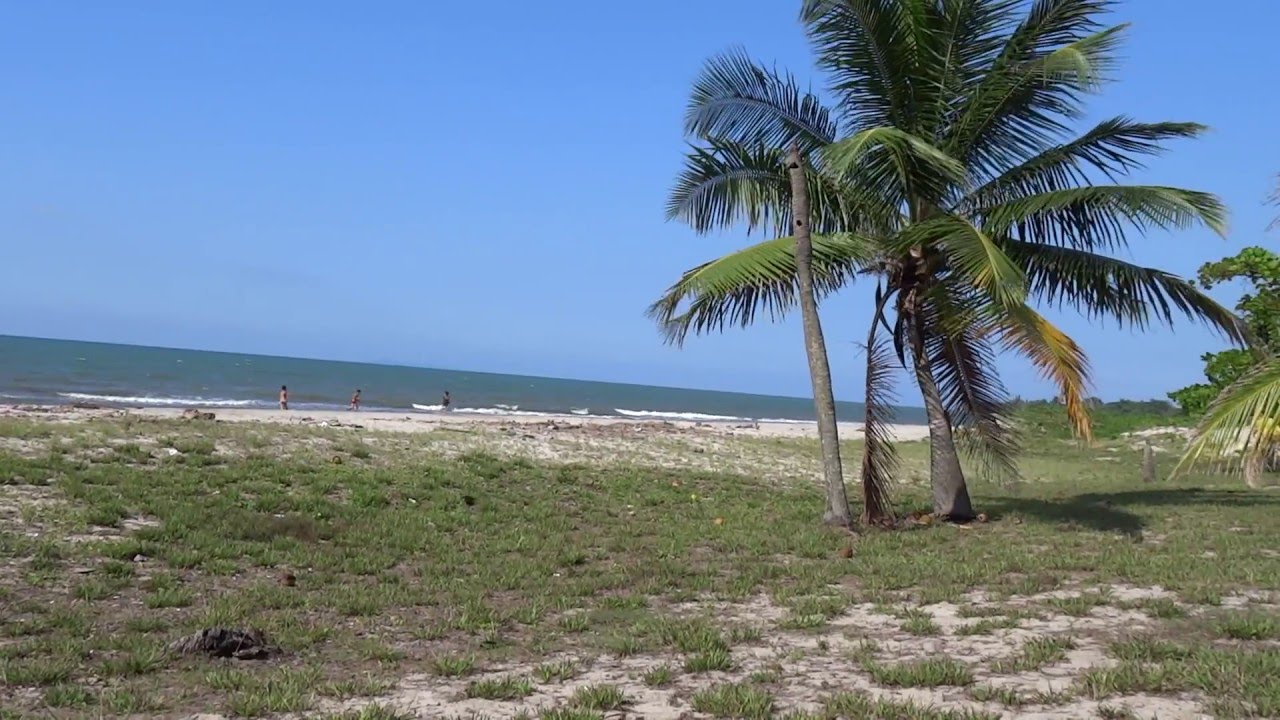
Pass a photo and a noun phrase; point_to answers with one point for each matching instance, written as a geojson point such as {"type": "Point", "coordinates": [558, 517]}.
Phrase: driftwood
{"type": "Point", "coordinates": [225, 643]}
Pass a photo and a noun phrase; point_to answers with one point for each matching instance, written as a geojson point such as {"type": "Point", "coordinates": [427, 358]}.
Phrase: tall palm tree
{"type": "Point", "coordinates": [824, 398]}
{"type": "Point", "coordinates": [947, 170]}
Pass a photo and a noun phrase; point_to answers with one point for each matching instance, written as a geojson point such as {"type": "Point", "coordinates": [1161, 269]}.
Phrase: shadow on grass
{"type": "Point", "coordinates": [1111, 512]}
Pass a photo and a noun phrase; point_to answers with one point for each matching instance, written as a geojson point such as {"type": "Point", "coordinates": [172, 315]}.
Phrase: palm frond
{"type": "Point", "coordinates": [1112, 148]}
{"type": "Point", "coordinates": [867, 48]}
{"type": "Point", "coordinates": [960, 351]}
{"type": "Point", "coordinates": [1101, 287]}
{"type": "Point", "coordinates": [971, 255]}
{"type": "Point", "coordinates": [736, 99]}
{"type": "Point", "coordinates": [761, 279]}
{"type": "Point", "coordinates": [1019, 106]}
{"type": "Point", "coordinates": [879, 456]}
{"type": "Point", "coordinates": [1058, 358]}
{"type": "Point", "coordinates": [1098, 217]}
{"type": "Point", "coordinates": [895, 165]}
{"type": "Point", "coordinates": [727, 183]}
{"type": "Point", "coordinates": [1243, 423]}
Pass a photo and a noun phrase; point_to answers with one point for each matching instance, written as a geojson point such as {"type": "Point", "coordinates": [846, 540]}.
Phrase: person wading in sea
{"type": "Point", "coordinates": [446, 401]}
{"type": "Point", "coordinates": [355, 400]}
{"type": "Point", "coordinates": [284, 397]}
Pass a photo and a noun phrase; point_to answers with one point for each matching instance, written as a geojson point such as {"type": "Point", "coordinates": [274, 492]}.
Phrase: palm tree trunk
{"type": "Point", "coordinates": [824, 400]}
{"type": "Point", "coordinates": [950, 493]}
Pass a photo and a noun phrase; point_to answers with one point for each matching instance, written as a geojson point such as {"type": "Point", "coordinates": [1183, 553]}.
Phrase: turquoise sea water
{"type": "Point", "coordinates": [61, 371]}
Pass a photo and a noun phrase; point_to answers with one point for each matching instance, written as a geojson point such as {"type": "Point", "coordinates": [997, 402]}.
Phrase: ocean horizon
{"type": "Point", "coordinates": [55, 371]}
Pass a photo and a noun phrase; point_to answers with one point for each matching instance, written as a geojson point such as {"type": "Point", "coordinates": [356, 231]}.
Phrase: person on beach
{"type": "Point", "coordinates": [355, 400]}
{"type": "Point", "coordinates": [446, 401]}
{"type": "Point", "coordinates": [284, 397]}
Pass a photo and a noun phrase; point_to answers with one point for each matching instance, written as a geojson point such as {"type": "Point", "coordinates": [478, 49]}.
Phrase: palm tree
{"type": "Point", "coordinates": [824, 398]}
{"type": "Point", "coordinates": [1242, 425]}
{"type": "Point", "coordinates": [948, 171]}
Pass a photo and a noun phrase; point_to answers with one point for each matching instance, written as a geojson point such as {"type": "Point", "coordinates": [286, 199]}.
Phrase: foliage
{"type": "Point", "coordinates": [1259, 308]}
{"type": "Point", "coordinates": [949, 170]}
{"type": "Point", "coordinates": [1243, 421]}
{"type": "Point", "coordinates": [1047, 419]}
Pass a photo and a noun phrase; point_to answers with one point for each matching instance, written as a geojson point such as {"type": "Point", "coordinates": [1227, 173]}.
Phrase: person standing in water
{"type": "Point", "coordinates": [355, 400]}
{"type": "Point", "coordinates": [446, 401]}
{"type": "Point", "coordinates": [284, 397]}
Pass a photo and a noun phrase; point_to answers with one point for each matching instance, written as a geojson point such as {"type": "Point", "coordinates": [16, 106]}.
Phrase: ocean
{"type": "Point", "coordinates": [38, 371]}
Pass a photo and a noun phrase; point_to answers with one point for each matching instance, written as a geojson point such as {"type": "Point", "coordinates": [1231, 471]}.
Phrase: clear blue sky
{"type": "Point", "coordinates": [425, 183]}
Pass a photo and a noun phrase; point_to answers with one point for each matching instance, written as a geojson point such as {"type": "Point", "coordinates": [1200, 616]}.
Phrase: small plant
{"type": "Point", "coordinates": [599, 697]}
{"type": "Point", "coordinates": [570, 714]}
{"type": "Point", "coordinates": [453, 665]}
{"type": "Point", "coordinates": [734, 700]}
{"type": "Point", "coordinates": [508, 687]}
{"type": "Point", "coordinates": [169, 597]}
{"type": "Point", "coordinates": [1255, 626]}
{"type": "Point", "coordinates": [1005, 696]}
{"type": "Point", "coordinates": [575, 622]}
{"type": "Point", "coordinates": [714, 659]}
{"type": "Point", "coordinates": [930, 672]}
{"type": "Point", "coordinates": [1036, 653]}
{"type": "Point", "coordinates": [920, 623]}
{"type": "Point", "coordinates": [556, 671]}
{"type": "Point", "coordinates": [66, 695]}
{"type": "Point", "coordinates": [986, 626]}
{"type": "Point", "coordinates": [1079, 605]}
{"type": "Point", "coordinates": [660, 676]}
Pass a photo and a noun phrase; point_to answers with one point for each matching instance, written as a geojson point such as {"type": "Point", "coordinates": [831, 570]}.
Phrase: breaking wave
{"type": "Point", "coordinates": [162, 401]}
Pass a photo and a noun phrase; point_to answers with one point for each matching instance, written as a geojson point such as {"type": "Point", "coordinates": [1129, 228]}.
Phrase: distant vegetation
{"type": "Point", "coordinates": [1048, 419]}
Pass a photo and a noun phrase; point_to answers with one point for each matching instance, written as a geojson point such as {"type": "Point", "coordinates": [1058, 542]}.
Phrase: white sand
{"type": "Point", "coordinates": [412, 422]}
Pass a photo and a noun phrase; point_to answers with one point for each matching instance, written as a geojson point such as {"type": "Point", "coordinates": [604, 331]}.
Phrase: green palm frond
{"type": "Point", "coordinates": [1098, 217]}
{"type": "Point", "coordinates": [1113, 148]}
{"type": "Point", "coordinates": [727, 183]}
{"type": "Point", "coordinates": [866, 48]}
{"type": "Point", "coordinates": [1242, 423]}
{"type": "Point", "coordinates": [1023, 101]}
{"type": "Point", "coordinates": [1099, 287]}
{"type": "Point", "coordinates": [736, 99]}
{"type": "Point", "coordinates": [879, 456]}
{"type": "Point", "coordinates": [895, 165]}
{"type": "Point", "coordinates": [971, 254]}
{"type": "Point", "coordinates": [761, 279]}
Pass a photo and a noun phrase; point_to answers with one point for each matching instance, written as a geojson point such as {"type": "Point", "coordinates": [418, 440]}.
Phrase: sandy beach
{"type": "Point", "coordinates": [419, 422]}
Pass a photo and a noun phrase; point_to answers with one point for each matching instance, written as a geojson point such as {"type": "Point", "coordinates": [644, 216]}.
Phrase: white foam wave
{"type": "Point", "coordinates": [580, 411]}
{"type": "Point", "coordinates": [497, 410]}
{"type": "Point", "coordinates": [150, 400]}
{"type": "Point", "coordinates": [661, 415]}
{"type": "Point", "coordinates": [787, 421]}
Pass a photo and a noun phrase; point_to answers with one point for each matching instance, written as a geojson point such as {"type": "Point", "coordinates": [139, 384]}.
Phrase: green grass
{"type": "Point", "coordinates": [1037, 653]}
{"type": "Point", "coordinates": [734, 700]}
{"type": "Point", "coordinates": [929, 672]}
{"type": "Point", "coordinates": [599, 697]}
{"type": "Point", "coordinates": [556, 672]}
{"type": "Point", "coordinates": [1250, 626]}
{"type": "Point", "coordinates": [508, 687]}
{"type": "Point", "coordinates": [395, 570]}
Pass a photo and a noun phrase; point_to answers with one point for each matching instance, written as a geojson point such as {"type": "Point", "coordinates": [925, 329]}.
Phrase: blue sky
{"type": "Point", "coordinates": [428, 184]}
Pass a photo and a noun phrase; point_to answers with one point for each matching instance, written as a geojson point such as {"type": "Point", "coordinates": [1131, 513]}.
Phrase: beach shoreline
{"type": "Point", "coordinates": [425, 422]}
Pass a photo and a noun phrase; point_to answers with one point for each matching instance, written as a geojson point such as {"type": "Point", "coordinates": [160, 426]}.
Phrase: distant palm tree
{"type": "Point", "coordinates": [947, 171]}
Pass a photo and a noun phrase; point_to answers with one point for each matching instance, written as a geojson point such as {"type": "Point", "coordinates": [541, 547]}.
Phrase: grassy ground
{"type": "Point", "coordinates": [409, 576]}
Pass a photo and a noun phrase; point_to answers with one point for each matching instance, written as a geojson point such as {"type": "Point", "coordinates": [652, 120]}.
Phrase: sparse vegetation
{"type": "Point", "coordinates": [416, 585]}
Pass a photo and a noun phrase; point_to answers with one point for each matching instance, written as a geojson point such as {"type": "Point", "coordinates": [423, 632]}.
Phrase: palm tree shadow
{"type": "Point", "coordinates": [1113, 512]}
